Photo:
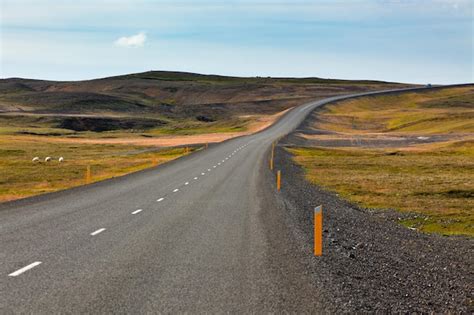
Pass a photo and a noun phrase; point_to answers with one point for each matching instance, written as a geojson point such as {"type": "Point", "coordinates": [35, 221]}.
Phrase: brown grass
{"type": "Point", "coordinates": [436, 181]}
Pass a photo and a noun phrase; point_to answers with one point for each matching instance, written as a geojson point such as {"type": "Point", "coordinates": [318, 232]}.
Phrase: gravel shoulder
{"type": "Point", "coordinates": [371, 263]}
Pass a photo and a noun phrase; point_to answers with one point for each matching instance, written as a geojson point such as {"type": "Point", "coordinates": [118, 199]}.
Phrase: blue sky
{"type": "Point", "coordinates": [415, 41]}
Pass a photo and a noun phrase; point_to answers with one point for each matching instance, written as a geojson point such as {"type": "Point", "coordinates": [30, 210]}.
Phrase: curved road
{"type": "Point", "coordinates": [198, 234]}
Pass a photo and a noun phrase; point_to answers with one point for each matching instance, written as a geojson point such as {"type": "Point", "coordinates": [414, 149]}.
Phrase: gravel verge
{"type": "Point", "coordinates": [370, 263]}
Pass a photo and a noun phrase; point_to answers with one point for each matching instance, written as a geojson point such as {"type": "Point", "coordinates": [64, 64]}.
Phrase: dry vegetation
{"type": "Point", "coordinates": [431, 112]}
{"type": "Point", "coordinates": [434, 180]}
{"type": "Point", "coordinates": [23, 178]}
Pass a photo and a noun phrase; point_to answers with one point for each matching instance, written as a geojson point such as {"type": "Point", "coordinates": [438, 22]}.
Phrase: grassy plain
{"type": "Point", "coordinates": [434, 180]}
{"type": "Point", "coordinates": [22, 178]}
{"type": "Point", "coordinates": [429, 112]}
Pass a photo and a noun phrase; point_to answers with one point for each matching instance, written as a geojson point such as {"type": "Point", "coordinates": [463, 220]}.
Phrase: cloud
{"type": "Point", "coordinates": [136, 40]}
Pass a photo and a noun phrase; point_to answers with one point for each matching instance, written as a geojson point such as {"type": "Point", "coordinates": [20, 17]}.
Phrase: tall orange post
{"type": "Point", "coordinates": [318, 231]}
{"type": "Point", "coordinates": [278, 180]}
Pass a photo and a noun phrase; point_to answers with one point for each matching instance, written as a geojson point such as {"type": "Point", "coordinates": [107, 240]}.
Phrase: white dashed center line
{"type": "Point", "coordinates": [214, 166]}
{"type": "Point", "coordinates": [137, 211]}
{"type": "Point", "coordinates": [187, 183]}
{"type": "Point", "coordinates": [26, 268]}
{"type": "Point", "coordinates": [208, 169]}
{"type": "Point", "coordinates": [203, 174]}
{"type": "Point", "coordinates": [176, 190]}
{"type": "Point", "coordinates": [195, 178]}
{"type": "Point", "coordinates": [161, 199]}
{"type": "Point", "coordinates": [98, 231]}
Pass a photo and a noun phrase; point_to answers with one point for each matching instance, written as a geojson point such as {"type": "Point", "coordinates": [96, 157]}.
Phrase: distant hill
{"type": "Point", "coordinates": [167, 97]}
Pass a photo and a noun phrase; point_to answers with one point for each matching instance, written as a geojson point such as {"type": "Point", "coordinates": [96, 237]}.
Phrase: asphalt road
{"type": "Point", "coordinates": [191, 235]}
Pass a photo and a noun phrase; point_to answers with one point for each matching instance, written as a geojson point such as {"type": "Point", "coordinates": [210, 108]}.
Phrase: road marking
{"type": "Point", "coordinates": [203, 174]}
{"type": "Point", "coordinates": [187, 183]}
{"type": "Point", "coordinates": [137, 211]}
{"type": "Point", "coordinates": [26, 268]}
{"type": "Point", "coordinates": [214, 166]}
{"type": "Point", "coordinates": [208, 169]}
{"type": "Point", "coordinates": [195, 178]}
{"type": "Point", "coordinates": [176, 190]}
{"type": "Point", "coordinates": [98, 231]}
{"type": "Point", "coordinates": [220, 163]}
{"type": "Point", "coordinates": [161, 199]}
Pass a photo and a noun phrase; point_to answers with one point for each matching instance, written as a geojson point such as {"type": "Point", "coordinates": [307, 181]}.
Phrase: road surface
{"type": "Point", "coordinates": [199, 234]}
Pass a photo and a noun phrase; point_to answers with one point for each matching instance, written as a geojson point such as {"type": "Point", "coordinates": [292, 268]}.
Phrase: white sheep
{"type": "Point", "coordinates": [47, 159]}
{"type": "Point", "coordinates": [61, 159]}
{"type": "Point", "coordinates": [35, 159]}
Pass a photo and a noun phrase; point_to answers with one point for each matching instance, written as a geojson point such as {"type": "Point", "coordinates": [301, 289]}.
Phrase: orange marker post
{"type": "Point", "coordinates": [88, 174]}
{"type": "Point", "coordinates": [278, 180]}
{"type": "Point", "coordinates": [318, 231]}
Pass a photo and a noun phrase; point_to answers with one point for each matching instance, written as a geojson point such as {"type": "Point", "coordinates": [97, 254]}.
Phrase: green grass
{"type": "Point", "coordinates": [436, 181]}
{"type": "Point", "coordinates": [193, 127]}
{"type": "Point", "coordinates": [428, 112]}
{"type": "Point", "coordinates": [22, 178]}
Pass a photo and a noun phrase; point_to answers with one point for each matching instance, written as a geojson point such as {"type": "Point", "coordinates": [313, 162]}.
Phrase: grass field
{"type": "Point", "coordinates": [434, 180]}
{"type": "Point", "coordinates": [22, 178]}
{"type": "Point", "coordinates": [431, 112]}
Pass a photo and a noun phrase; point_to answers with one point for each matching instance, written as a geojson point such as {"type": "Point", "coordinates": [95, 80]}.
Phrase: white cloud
{"type": "Point", "coordinates": [136, 40]}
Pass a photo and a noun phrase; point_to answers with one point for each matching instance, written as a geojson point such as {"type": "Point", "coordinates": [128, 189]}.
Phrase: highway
{"type": "Point", "coordinates": [198, 234]}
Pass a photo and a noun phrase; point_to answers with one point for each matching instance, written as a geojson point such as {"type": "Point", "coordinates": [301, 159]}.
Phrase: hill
{"type": "Point", "coordinates": [158, 101]}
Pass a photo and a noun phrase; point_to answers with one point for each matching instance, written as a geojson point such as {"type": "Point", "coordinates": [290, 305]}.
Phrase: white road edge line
{"type": "Point", "coordinates": [26, 268]}
{"type": "Point", "coordinates": [137, 211]}
{"type": "Point", "coordinates": [98, 231]}
{"type": "Point", "coordinates": [161, 199]}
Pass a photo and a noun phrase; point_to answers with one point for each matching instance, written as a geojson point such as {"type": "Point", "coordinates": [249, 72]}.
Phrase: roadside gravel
{"type": "Point", "coordinates": [370, 263]}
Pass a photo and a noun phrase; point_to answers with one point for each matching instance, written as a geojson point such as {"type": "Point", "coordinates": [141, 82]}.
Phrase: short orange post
{"type": "Point", "coordinates": [272, 155]}
{"type": "Point", "coordinates": [278, 180]}
{"type": "Point", "coordinates": [88, 174]}
{"type": "Point", "coordinates": [318, 231]}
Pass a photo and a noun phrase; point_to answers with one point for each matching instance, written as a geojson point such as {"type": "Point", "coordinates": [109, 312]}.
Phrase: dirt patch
{"type": "Point", "coordinates": [313, 138]}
